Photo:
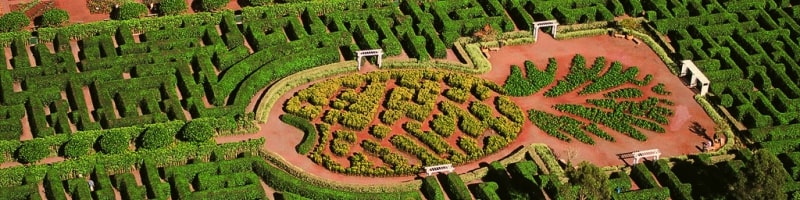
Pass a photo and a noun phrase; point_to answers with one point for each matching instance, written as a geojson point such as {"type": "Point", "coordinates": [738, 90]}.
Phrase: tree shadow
{"type": "Point", "coordinates": [698, 129]}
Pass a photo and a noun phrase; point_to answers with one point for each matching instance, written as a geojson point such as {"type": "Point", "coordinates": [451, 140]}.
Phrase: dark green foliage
{"type": "Point", "coordinates": [13, 21]}
{"type": "Point", "coordinates": [54, 17]}
{"type": "Point", "coordinates": [310, 138]}
{"type": "Point", "coordinates": [213, 5]}
{"type": "Point", "coordinates": [591, 181]}
{"type": "Point", "coordinates": [643, 177]}
{"type": "Point", "coordinates": [624, 93]}
{"type": "Point", "coordinates": [487, 191]}
{"type": "Point", "coordinates": [172, 7]}
{"type": "Point", "coordinates": [160, 135]}
{"type": "Point", "coordinates": [764, 177]}
{"type": "Point", "coordinates": [578, 74]}
{"type": "Point", "coordinates": [130, 10]}
{"type": "Point", "coordinates": [197, 130]}
{"type": "Point", "coordinates": [431, 188]}
{"type": "Point", "coordinates": [535, 80]}
{"type": "Point", "coordinates": [454, 186]}
{"type": "Point", "coordinates": [114, 141]}
{"type": "Point", "coordinates": [79, 145]}
{"type": "Point", "coordinates": [32, 150]}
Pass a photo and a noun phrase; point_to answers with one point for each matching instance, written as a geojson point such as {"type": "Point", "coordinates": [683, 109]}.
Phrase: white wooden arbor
{"type": "Point", "coordinates": [542, 24]}
{"type": "Point", "coordinates": [644, 154]}
{"type": "Point", "coordinates": [697, 75]}
{"type": "Point", "coordinates": [371, 52]}
{"type": "Point", "coordinates": [439, 168]}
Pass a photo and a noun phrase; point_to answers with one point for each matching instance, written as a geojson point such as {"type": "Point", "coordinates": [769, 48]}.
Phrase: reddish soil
{"type": "Point", "coordinates": [79, 12]}
{"type": "Point", "coordinates": [282, 138]}
{"type": "Point", "coordinates": [682, 140]}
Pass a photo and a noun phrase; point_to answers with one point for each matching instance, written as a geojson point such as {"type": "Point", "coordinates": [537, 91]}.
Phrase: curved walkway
{"type": "Point", "coordinates": [281, 138]}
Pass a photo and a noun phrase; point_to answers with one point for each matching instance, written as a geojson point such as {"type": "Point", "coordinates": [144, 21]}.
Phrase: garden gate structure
{"type": "Point", "coordinates": [439, 168]}
{"type": "Point", "coordinates": [697, 75]}
{"type": "Point", "coordinates": [371, 52]}
{"type": "Point", "coordinates": [646, 153]}
{"type": "Point", "coordinates": [542, 24]}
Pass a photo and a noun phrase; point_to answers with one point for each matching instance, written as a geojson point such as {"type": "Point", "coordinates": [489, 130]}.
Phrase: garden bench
{"type": "Point", "coordinates": [439, 168]}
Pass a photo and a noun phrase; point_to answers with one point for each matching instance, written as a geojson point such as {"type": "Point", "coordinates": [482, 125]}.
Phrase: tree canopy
{"type": "Point", "coordinates": [591, 181]}
{"type": "Point", "coordinates": [763, 178]}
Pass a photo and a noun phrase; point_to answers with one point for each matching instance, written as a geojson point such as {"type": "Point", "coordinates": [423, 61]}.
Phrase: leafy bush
{"type": "Point", "coordinates": [130, 10]}
{"type": "Point", "coordinates": [32, 150]}
{"type": "Point", "coordinates": [310, 137]}
{"type": "Point", "coordinates": [79, 145]}
{"type": "Point", "coordinates": [624, 93]}
{"type": "Point", "coordinates": [455, 187]}
{"type": "Point", "coordinates": [160, 135]}
{"type": "Point", "coordinates": [380, 131]}
{"type": "Point", "coordinates": [54, 17]}
{"type": "Point", "coordinates": [430, 188]}
{"type": "Point", "coordinates": [213, 5]}
{"type": "Point", "coordinates": [172, 7]}
{"type": "Point", "coordinates": [13, 21]}
{"type": "Point", "coordinates": [197, 130]}
{"type": "Point", "coordinates": [660, 89]}
{"type": "Point", "coordinates": [443, 125]}
{"type": "Point", "coordinates": [114, 141]}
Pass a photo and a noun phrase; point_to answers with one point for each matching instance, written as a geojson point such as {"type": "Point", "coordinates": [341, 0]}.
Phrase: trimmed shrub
{"type": "Point", "coordinates": [197, 131]}
{"type": "Point", "coordinates": [54, 17]}
{"type": "Point", "coordinates": [310, 138]}
{"type": "Point", "coordinates": [160, 135]}
{"type": "Point", "coordinates": [32, 150]}
{"type": "Point", "coordinates": [172, 7]}
{"type": "Point", "coordinates": [213, 5]}
{"type": "Point", "coordinates": [130, 10]}
{"type": "Point", "coordinates": [430, 188]}
{"type": "Point", "coordinates": [78, 145]}
{"type": "Point", "coordinates": [114, 141]}
{"type": "Point", "coordinates": [13, 21]}
{"type": "Point", "coordinates": [455, 187]}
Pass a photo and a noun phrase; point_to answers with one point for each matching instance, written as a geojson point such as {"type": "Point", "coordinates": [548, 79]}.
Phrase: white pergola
{"type": "Point", "coordinates": [439, 168]}
{"type": "Point", "coordinates": [644, 154]}
{"type": "Point", "coordinates": [371, 52]}
{"type": "Point", "coordinates": [542, 24]}
{"type": "Point", "coordinates": [697, 75]}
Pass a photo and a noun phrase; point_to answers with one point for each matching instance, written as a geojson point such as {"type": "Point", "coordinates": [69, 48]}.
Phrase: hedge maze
{"type": "Point", "coordinates": [445, 116]}
{"type": "Point", "coordinates": [621, 109]}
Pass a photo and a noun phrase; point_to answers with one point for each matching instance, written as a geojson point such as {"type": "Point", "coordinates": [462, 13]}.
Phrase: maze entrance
{"type": "Point", "coordinates": [371, 52]}
{"type": "Point", "coordinates": [697, 75]}
{"type": "Point", "coordinates": [655, 153]}
{"type": "Point", "coordinates": [542, 24]}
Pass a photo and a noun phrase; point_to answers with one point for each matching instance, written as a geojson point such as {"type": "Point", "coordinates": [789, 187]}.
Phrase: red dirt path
{"type": "Point", "coordinates": [281, 138]}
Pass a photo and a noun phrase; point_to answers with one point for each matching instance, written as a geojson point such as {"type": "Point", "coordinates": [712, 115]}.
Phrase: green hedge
{"type": "Point", "coordinates": [310, 138]}
{"type": "Point", "coordinates": [430, 188]}
{"type": "Point", "coordinates": [454, 186]}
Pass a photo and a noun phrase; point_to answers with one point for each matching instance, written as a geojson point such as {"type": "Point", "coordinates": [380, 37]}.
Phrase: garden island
{"type": "Point", "coordinates": [399, 99]}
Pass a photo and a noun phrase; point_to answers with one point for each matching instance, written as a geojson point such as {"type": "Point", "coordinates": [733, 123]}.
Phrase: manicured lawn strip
{"type": "Point", "coordinates": [310, 138]}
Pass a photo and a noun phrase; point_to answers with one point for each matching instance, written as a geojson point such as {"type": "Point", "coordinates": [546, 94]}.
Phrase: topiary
{"type": "Point", "coordinates": [13, 21]}
{"type": "Point", "coordinates": [197, 131]}
{"type": "Point", "coordinates": [32, 150]}
{"type": "Point", "coordinates": [78, 145]}
{"type": "Point", "coordinates": [259, 2]}
{"type": "Point", "coordinates": [171, 7]}
{"type": "Point", "coordinates": [54, 17]}
{"type": "Point", "coordinates": [160, 135]}
{"type": "Point", "coordinates": [213, 5]}
{"type": "Point", "coordinates": [130, 10]}
{"type": "Point", "coordinates": [114, 141]}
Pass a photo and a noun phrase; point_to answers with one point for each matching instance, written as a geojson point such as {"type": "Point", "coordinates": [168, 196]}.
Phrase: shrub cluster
{"type": "Point", "coordinates": [310, 137]}
{"type": "Point", "coordinates": [535, 80]}
{"type": "Point", "coordinates": [578, 74]}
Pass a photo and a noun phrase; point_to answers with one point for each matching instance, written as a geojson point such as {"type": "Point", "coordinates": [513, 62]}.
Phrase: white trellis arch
{"type": "Point", "coordinates": [371, 52]}
{"type": "Point", "coordinates": [644, 154]}
{"type": "Point", "coordinates": [439, 168]}
{"type": "Point", "coordinates": [697, 75]}
{"type": "Point", "coordinates": [542, 24]}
